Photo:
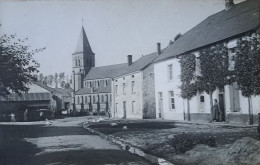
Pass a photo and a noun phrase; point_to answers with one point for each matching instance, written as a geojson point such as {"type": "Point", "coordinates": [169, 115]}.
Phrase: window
{"type": "Point", "coordinates": [86, 99]}
{"type": "Point", "coordinates": [198, 67]}
{"type": "Point", "coordinates": [85, 83]}
{"type": "Point", "coordinates": [133, 87]}
{"type": "Point", "coordinates": [171, 100]}
{"type": "Point", "coordinates": [133, 106]}
{"type": "Point", "coordinates": [116, 107]}
{"type": "Point", "coordinates": [105, 83]}
{"type": "Point", "coordinates": [102, 99]}
{"type": "Point", "coordinates": [170, 72]}
{"type": "Point", "coordinates": [78, 100]}
{"type": "Point", "coordinates": [76, 62]}
{"type": "Point", "coordinates": [94, 99]}
{"type": "Point", "coordinates": [79, 62]}
{"type": "Point", "coordinates": [116, 89]}
{"type": "Point", "coordinates": [124, 88]}
{"type": "Point", "coordinates": [202, 99]}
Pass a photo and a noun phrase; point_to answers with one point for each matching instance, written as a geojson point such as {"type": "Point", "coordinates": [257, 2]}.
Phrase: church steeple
{"type": "Point", "coordinates": [83, 44]}
{"type": "Point", "coordinates": [83, 59]}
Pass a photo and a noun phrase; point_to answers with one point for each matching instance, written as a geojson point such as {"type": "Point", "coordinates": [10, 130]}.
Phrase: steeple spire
{"type": "Point", "coordinates": [83, 45]}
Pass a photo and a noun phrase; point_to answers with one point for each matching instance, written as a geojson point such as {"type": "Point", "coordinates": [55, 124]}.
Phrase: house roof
{"type": "Point", "coordinates": [100, 89]}
{"type": "Point", "coordinates": [109, 71]}
{"type": "Point", "coordinates": [139, 64]}
{"type": "Point", "coordinates": [240, 18]}
{"type": "Point", "coordinates": [27, 97]}
{"type": "Point", "coordinates": [64, 92]}
{"type": "Point", "coordinates": [112, 71]}
{"type": "Point", "coordinates": [44, 86]}
{"type": "Point", "coordinates": [83, 44]}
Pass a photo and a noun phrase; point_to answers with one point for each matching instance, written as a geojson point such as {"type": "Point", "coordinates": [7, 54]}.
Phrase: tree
{"type": "Point", "coordinates": [17, 65]}
{"type": "Point", "coordinates": [41, 77]}
{"type": "Point", "coordinates": [61, 78]}
{"type": "Point", "coordinates": [67, 86]}
{"type": "Point", "coordinates": [56, 81]}
{"type": "Point", "coordinates": [188, 87]}
{"type": "Point", "coordinates": [214, 70]}
{"type": "Point", "coordinates": [50, 80]}
{"type": "Point", "coordinates": [247, 69]}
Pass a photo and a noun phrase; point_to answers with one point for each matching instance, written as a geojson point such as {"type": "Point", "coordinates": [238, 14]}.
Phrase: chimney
{"type": "Point", "coordinates": [129, 59]}
{"type": "Point", "coordinates": [159, 48]}
{"type": "Point", "coordinates": [229, 4]}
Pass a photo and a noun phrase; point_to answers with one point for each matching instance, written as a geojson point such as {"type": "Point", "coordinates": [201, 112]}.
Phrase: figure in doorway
{"type": "Point", "coordinates": [216, 110]}
{"type": "Point", "coordinates": [25, 115]}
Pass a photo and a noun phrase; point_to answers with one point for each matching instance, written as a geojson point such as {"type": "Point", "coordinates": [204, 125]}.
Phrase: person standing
{"type": "Point", "coordinates": [216, 110]}
{"type": "Point", "coordinates": [25, 115]}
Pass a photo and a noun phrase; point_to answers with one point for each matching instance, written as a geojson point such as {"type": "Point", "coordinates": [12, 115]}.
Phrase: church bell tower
{"type": "Point", "coordinates": [83, 59]}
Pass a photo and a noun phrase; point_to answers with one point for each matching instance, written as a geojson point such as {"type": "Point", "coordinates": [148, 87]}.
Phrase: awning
{"type": "Point", "coordinates": [28, 97]}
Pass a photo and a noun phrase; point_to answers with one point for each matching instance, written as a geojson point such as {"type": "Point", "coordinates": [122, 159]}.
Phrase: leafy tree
{"type": "Point", "coordinates": [17, 65]}
{"type": "Point", "coordinates": [247, 69]}
{"type": "Point", "coordinates": [56, 81]}
{"type": "Point", "coordinates": [50, 80]}
{"type": "Point", "coordinates": [214, 70]}
{"type": "Point", "coordinates": [188, 87]}
{"type": "Point", "coordinates": [67, 86]}
{"type": "Point", "coordinates": [61, 77]}
{"type": "Point", "coordinates": [41, 77]}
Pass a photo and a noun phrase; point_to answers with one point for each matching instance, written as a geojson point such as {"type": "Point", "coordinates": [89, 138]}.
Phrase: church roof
{"type": "Point", "coordinates": [109, 71]}
{"type": "Point", "coordinates": [223, 25]}
{"type": "Point", "coordinates": [100, 89]}
{"type": "Point", "coordinates": [83, 44]}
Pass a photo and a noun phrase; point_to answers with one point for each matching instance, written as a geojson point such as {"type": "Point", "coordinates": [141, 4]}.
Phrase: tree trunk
{"type": "Point", "coordinates": [211, 107]}
{"type": "Point", "coordinates": [250, 110]}
{"type": "Point", "coordinates": [188, 109]}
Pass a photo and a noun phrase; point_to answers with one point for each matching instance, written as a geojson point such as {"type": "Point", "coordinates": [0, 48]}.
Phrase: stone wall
{"type": "Point", "coordinates": [149, 107]}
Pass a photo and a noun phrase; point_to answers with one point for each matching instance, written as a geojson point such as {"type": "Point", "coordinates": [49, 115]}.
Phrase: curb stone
{"type": "Point", "coordinates": [128, 147]}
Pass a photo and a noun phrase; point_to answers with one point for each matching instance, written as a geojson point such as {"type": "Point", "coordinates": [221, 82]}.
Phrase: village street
{"type": "Point", "coordinates": [64, 142]}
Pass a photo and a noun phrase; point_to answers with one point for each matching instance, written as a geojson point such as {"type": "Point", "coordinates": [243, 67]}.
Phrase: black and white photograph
{"type": "Point", "coordinates": [129, 82]}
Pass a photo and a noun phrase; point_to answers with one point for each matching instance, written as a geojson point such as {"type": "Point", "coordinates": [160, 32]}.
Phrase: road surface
{"type": "Point", "coordinates": [65, 142]}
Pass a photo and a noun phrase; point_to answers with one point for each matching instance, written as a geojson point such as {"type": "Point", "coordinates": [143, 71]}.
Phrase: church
{"type": "Point", "coordinates": [116, 90]}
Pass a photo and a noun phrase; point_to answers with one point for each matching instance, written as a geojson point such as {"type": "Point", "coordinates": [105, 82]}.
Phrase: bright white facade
{"type": "Point", "coordinates": [236, 107]}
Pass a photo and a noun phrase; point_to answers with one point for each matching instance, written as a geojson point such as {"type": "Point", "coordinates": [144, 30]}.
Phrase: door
{"type": "Point", "coordinates": [221, 107]}
{"type": "Point", "coordinates": [124, 109]}
{"type": "Point", "coordinates": [160, 101]}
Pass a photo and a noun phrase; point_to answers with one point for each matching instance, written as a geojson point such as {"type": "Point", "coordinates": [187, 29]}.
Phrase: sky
{"type": "Point", "coordinates": [115, 28]}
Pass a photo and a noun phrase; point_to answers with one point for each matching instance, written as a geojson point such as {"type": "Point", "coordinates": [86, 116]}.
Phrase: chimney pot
{"type": "Point", "coordinates": [129, 59]}
{"type": "Point", "coordinates": [229, 4]}
{"type": "Point", "coordinates": [159, 48]}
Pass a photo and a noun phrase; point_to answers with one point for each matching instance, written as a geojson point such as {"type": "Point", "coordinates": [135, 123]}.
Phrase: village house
{"type": "Point", "coordinates": [40, 100]}
{"type": "Point", "coordinates": [133, 89]}
{"type": "Point", "coordinates": [225, 27]}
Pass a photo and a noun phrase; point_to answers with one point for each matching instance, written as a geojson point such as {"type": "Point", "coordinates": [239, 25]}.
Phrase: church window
{"type": "Point", "coordinates": [86, 99]}
{"type": "Point", "coordinates": [102, 99]}
{"type": "Point", "coordinates": [94, 99]}
{"type": "Point", "coordinates": [78, 100]}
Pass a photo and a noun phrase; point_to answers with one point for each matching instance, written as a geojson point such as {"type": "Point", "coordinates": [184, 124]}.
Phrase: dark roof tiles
{"type": "Point", "coordinates": [223, 25]}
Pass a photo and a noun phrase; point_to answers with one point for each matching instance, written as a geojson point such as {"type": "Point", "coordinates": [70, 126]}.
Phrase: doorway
{"type": "Point", "coordinates": [124, 109]}
{"type": "Point", "coordinates": [222, 107]}
{"type": "Point", "coordinates": [160, 101]}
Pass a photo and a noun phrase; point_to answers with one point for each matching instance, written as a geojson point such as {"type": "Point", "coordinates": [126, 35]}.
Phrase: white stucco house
{"type": "Point", "coordinates": [223, 27]}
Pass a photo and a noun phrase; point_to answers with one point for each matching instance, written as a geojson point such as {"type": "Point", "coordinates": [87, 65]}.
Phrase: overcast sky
{"type": "Point", "coordinates": [115, 28]}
